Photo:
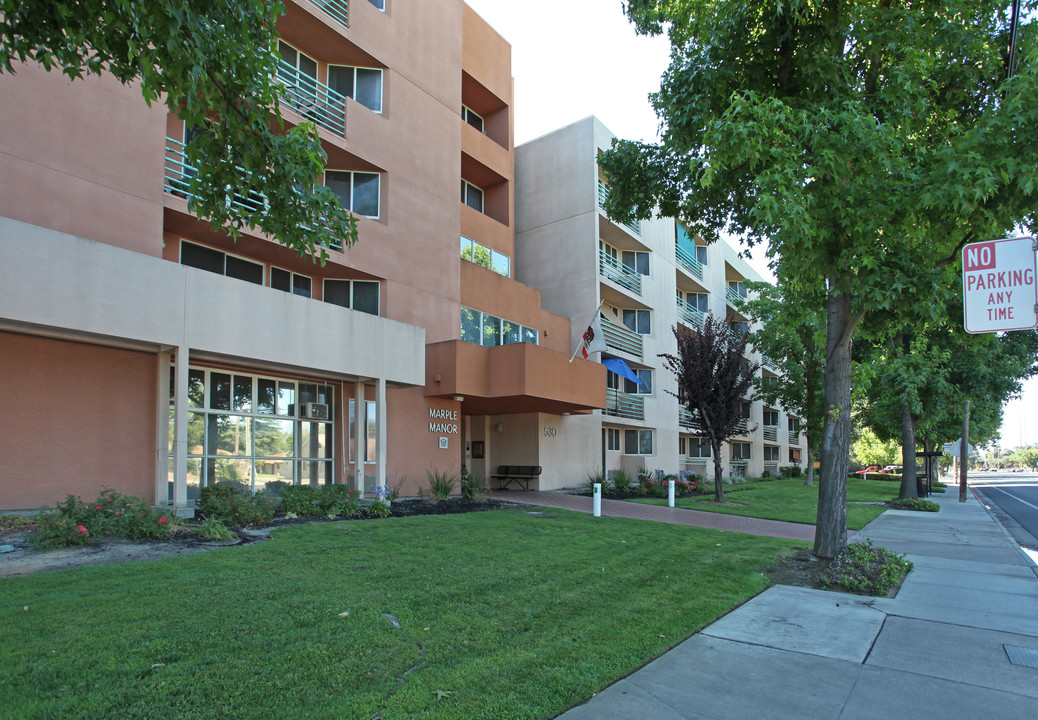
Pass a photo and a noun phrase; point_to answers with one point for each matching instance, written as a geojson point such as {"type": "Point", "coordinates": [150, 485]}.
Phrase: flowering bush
{"type": "Point", "coordinates": [74, 522]}
{"type": "Point", "coordinates": [235, 506]}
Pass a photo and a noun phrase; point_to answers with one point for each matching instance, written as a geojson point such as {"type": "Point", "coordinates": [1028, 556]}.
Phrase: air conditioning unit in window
{"type": "Point", "coordinates": [317, 411]}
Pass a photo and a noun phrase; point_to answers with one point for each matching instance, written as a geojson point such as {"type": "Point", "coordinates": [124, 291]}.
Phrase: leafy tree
{"type": "Point", "coordinates": [791, 333]}
{"type": "Point", "coordinates": [870, 450]}
{"type": "Point", "coordinates": [866, 141]}
{"type": "Point", "coordinates": [1025, 456]}
{"type": "Point", "coordinates": [213, 63]}
{"type": "Point", "coordinates": [714, 380]}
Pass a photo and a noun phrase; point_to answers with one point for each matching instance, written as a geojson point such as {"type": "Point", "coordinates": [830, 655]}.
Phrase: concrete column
{"type": "Point", "coordinates": [162, 426]}
{"type": "Point", "coordinates": [380, 432]}
{"type": "Point", "coordinates": [180, 417]}
{"type": "Point", "coordinates": [360, 438]}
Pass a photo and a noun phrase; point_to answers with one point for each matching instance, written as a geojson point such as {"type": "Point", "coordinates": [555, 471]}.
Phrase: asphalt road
{"type": "Point", "coordinates": [1014, 499]}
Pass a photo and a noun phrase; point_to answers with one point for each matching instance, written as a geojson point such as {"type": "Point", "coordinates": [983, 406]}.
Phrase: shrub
{"type": "Point", "coordinates": [56, 531]}
{"type": "Point", "coordinates": [299, 500]}
{"type": "Point", "coordinates": [866, 569]}
{"type": "Point", "coordinates": [74, 522]}
{"type": "Point", "coordinates": [441, 483]}
{"type": "Point", "coordinates": [379, 509]}
{"type": "Point", "coordinates": [621, 481]}
{"type": "Point", "coordinates": [214, 529]}
{"type": "Point", "coordinates": [594, 477]}
{"type": "Point", "coordinates": [915, 504]}
{"type": "Point", "coordinates": [337, 500]}
{"type": "Point", "coordinates": [472, 486]}
{"type": "Point", "coordinates": [233, 505]}
{"type": "Point", "coordinates": [790, 471]}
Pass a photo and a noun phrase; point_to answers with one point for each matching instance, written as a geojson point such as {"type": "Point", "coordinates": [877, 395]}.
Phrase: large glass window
{"type": "Point", "coordinates": [486, 257]}
{"type": "Point", "coordinates": [771, 417]}
{"type": "Point", "coordinates": [291, 282]}
{"type": "Point", "coordinates": [357, 191]}
{"type": "Point", "coordinates": [771, 453]}
{"type": "Point", "coordinates": [361, 295]}
{"type": "Point", "coordinates": [640, 321]}
{"type": "Point", "coordinates": [219, 262]}
{"type": "Point", "coordinates": [636, 260]}
{"type": "Point", "coordinates": [740, 450]}
{"type": "Point", "coordinates": [362, 84]}
{"type": "Point", "coordinates": [257, 433]}
{"type": "Point", "coordinates": [488, 330]}
{"type": "Point", "coordinates": [699, 447]}
{"type": "Point", "coordinates": [642, 388]}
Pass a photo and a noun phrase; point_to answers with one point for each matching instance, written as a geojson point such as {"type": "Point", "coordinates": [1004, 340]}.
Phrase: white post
{"type": "Point", "coordinates": [597, 504]}
{"type": "Point", "coordinates": [670, 493]}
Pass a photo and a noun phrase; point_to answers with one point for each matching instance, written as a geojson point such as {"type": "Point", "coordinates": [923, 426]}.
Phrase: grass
{"type": "Point", "coordinates": [788, 499]}
{"type": "Point", "coordinates": [501, 614]}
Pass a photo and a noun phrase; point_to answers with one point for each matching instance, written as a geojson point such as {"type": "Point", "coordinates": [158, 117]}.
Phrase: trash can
{"type": "Point", "coordinates": [922, 485]}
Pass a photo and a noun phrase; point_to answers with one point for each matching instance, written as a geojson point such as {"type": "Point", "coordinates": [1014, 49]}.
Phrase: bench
{"type": "Point", "coordinates": [520, 474]}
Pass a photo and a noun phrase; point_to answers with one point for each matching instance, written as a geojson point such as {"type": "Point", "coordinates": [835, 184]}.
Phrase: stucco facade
{"type": "Point", "coordinates": [149, 353]}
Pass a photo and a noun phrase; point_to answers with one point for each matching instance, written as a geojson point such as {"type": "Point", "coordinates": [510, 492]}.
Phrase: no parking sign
{"type": "Point", "coordinates": [999, 289]}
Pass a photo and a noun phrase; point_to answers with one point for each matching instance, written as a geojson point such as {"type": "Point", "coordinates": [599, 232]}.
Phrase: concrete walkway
{"type": "Point", "coordinates": [674, 516]}
{"type": "Point", "coordinates": [959, 641]}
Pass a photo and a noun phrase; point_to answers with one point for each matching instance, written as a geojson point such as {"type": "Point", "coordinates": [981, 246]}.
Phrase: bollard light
{"type": "Point", "coordinates": [670, 493]}
{"type": "Point", "coordinates": [597, 505]}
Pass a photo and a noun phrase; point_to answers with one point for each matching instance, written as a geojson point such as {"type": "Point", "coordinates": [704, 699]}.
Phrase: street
{"type": "Point", "coordinates": [1012, 494]}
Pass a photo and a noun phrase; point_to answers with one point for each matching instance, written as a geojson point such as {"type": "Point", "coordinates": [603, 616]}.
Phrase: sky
{"type": "Point", "coordinates": [579, 58]}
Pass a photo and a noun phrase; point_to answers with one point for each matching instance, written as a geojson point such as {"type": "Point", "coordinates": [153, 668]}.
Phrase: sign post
{"type": "Point", "coordinates": [999, 288]}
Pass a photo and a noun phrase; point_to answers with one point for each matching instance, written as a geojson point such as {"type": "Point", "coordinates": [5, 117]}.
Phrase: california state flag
{"type": "Point", "coordinates": [594, 339]}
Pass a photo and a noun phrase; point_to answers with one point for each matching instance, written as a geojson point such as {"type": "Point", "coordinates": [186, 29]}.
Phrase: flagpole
{"type": "Point", "coordinates": [581, 343]}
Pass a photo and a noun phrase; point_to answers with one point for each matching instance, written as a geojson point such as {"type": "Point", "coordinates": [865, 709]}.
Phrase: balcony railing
{"type": "Point", "coordinates": [741, 426]}
{"type": "Point", "coordinates": [738, 467]}
{"type": "Point", "coordinates": [603, 192]}
{"type": "Point", "coordinates": [625, 405]}
{"type": "Point", "coordinates": [178, 174]}
{"type": "Point", "coordinates": [770, 433]}
{"type": "Point", "coordinates": [688, 262]}
{"type": "Point", "coordinates": [612, 269]}
{"type": "Point", "coordinates": [794, 437]}
{"type": "Point", "coordinates": [622, 339]}
{"type": "Point", "coordinates": [732, 296]}
{"type": "Point", "coordinates": [685, 416]}
{"type": "Point", "coordinates": [769, 363]}
{"type": "Point", "coordinates": [690, 315]}
{"type": "Point", "coordinates": [314, 99]}
{"type": "Point", "coordinates": [698, 465]}
{"type": "Point", "coordinates": [338, 9]}
{"type": "Point", "coordinates": [772, 468]}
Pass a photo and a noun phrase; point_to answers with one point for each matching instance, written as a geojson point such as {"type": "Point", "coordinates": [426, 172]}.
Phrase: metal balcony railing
{"type": "Point", "coordinates": [738, 467]}
{"type": "Point", "coordinates": [771, 468]}
{"type": "Point", "coordinates": [770, 433]}
{"type": "Point", "coordinates": [741, 426]}
{"type": "Point", "coordinates": [686, 417]}
{"type": "Point", "coordinates": [794, 437]}
{"type": "Point", "coordinates": [314, 99]}
{"type": "Point", "coordinates": [338, 9]}
{"type": "Point", "coordinates": [688, 262]}
{"type": "Point", "coordinates": [625, 405]}
{"type": "Point", "coordinates": [620, 338]}
{"type": "Point", "coordinates": [732, 296]}
{"type": "Point", "coordinates": [603, 192]}
{"type": "Point", "coordinates": [612, 269]}
{"type": "Point", "coordinates": [769, 363]}
{"type": "Point", "coordinates": [690, 315]}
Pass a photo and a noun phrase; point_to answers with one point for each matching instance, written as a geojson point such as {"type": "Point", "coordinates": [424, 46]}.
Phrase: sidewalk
{"type": "Point", "coordinates": [941, 649]}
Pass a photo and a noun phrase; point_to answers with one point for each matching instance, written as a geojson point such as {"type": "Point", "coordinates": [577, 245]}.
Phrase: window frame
{"type": "Point", "coordinates": [493, 255]}
{"type": "Point", "coordinates": [636, 257]}
{"type": "Point", "coordinates": [468, 188]}
{"type": "Point", "coordinates": [352, 294]}
{"type": "Point", "coordinates": [353, 190]}
{"type": "Point", "coordinates": [523, 332]}
{"type": "Point", "coordinates": [468, 113]}
{"type": "Point", "coordinates": [742, 447]}
{"type": "Point", "coordinates": [355, 84]}
{"type": "Point", "coordinates": [638, 324]}
{"type": "Point", "coordinates": [639, 434]}
{"type": "Point", "coordinates": [239, 258]}
{"type": "Point", "coordinates": [292, 285]}
{"type": "Point", "coordinates": [612, 439]}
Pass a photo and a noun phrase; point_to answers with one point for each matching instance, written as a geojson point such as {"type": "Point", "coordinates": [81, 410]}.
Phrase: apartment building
{"type": "Point", "coordinates": [144, 351]}
{"type": "Point", "coordinates": [646, 278]}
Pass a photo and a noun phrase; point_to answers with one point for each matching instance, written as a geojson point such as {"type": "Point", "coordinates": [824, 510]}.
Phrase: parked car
{"type": "Point", "coordinates": [869, 469]}
{"type": "Point", "coordinates": [891, 469]}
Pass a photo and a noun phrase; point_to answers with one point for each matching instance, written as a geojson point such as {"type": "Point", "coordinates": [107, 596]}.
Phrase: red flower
{"type": "Point", "coordinates": [80, 530]}
{"type": "Point", "coordinates": [163, 520]}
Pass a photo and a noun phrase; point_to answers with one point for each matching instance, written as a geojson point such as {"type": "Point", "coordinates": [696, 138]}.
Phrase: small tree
{"type": "Point", "coordinates": [713, 381]}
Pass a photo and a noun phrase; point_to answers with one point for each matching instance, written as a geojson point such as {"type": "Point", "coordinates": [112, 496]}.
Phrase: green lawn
{"type": "Point", "coordinates": [790, 500]}
{"type": "Point", "coordinates": [502, 614]}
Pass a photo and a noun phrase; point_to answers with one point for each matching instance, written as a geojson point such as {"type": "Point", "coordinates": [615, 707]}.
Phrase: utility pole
{"type": "Point", "coordinates": [964, 452]}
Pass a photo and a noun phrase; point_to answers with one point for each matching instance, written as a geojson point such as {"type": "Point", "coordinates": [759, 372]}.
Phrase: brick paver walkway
{"type": "Point", "coordinates": [674, 516]}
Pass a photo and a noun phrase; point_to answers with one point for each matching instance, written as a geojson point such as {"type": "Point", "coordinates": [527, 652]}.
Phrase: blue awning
{"type": "Point", "coordinates": [620, 368]}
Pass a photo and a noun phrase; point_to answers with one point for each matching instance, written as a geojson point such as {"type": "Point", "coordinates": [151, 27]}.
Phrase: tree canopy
{"type": "Point", "coordinates": [714, 383]}
{"type": "Point", "coordinates": [866, 141]}
{"type": "Point", "coordinates": [214, 64]}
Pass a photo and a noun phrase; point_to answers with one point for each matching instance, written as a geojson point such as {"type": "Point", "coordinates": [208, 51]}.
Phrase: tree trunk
{"type": "Point", "coordinates": [908, 469]}
{"type": "Point", "coordinates": [831, 524]}
{"type": "Point", "coordinates": [810, 464]}
{"type": "Point", "coordinates": [718, 482]}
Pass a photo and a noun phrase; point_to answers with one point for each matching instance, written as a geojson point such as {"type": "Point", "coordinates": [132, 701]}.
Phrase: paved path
{"type": "Point", "coordinates": [674, 516]}
{"type": "Point", "coordinates": [959, 642]}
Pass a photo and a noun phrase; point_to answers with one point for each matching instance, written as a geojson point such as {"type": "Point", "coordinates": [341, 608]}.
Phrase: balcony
{"type": "Point", "coordinates": [688, 262]}
{"type": "Point", "coordinates": [620, 338]}
{"type": "Point", "coordinates": [733, 297]}
{"type": "Point", "coordinates": [738, 467]}
{"type": "Point", "coordinates": [741, 426]}
{"type": "Point", "coordinates": [624, 405]}
{"type": "Point", "coordinates": [769, 363]}
{"type": "Point", "coordinates": [770, 433]}
{"type": "Point", "coordinates": [686, 417]}
{"type": "Point", "coordinates": [771, 468]}
{"type": "Point", "coordinates": [313, 99]}
{"type": "Point", "coordinates": [794, 437]}
{"type": "Point", "coordinates": [603, 192]}
{"type": "Point", "coordinates": [338, 9]}
{"type": "Point", "coordinates": [612, 269]}
{"type": "Point", "coordinates": [690, 315]}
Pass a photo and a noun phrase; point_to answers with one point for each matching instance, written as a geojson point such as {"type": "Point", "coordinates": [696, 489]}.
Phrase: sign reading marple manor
{"type": "Point", "coordinates": [437, 418]}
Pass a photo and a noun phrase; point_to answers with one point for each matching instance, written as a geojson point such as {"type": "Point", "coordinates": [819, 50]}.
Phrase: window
{"type": "Point", "coordinates": [771, 417]}
{"type": "Point", "coordinates": [254, 433]}
{"type": "Point", "coordinates": [638, 442]}
{"type": "Point", "coordinates": [771, 453]}
{"type": "Point", "coordinates": [793, 424]}
{"type": "Point", "coordinates": [485, 257]}
{"type": "Point", "coordinates": [739, 328]}
{"type": "Point", "coordinates": [303, 64]}
{"type": "Point", "coordinates": [740, 450]}
{"type": "Point", "coordinates": [612, 380]}
{"type": "Point", "coordinates": [643, 388]}
{"type": "Point", "coordinates": [745, 411]}
{"type": "Point", "coordinates": [794, 455]}
{"type": "Point", "coordinates": [488, 330]}
{"type": "Point", "coordinates": [357, 191]}
{"type": "Point", "coordinates": [380, 4]}
{"type": "Point", "coordinates": [471, 196]}
{"type": "Point", "coordinates": [639, 321]}
{"type": "Point", "coordinates": [291, 282]}
{"type": "Point", "coordinates": [472, 119]}
{"type": "Point", "coordinates": [701, 254]}
{"type": "Point", "coordinates": [613, 439]}
{"type": "Point", "coordinates": [360, 83]}
{"type": "Point", "coordinates": [696, 301]}
{"type": "Point", "coordinates": [739, 288]}
{"type": "Point", "coordinates": [299, 73]}
{"type": "Point", "coordinates": [636, 260]}
{"type": "Point", "coordinates": [699, 447]}
{"type": "Point", "coordinates": [216, 261]}
{"type": "Point", "coordinates": [360, 295]}
{"type": "Point", "coordinates": [369, 431]}
{"type": "Point", "coordinates": [608, 250]}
